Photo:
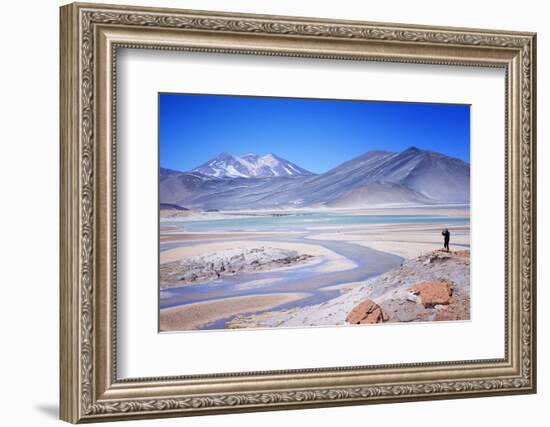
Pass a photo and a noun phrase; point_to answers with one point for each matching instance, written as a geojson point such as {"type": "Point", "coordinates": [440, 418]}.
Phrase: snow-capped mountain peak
{"type": "Point", "coordinates": [250, 165]}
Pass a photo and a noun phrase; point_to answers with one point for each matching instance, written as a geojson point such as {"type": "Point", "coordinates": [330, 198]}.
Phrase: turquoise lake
{"type": "Point", "coordinates": [305, 220]}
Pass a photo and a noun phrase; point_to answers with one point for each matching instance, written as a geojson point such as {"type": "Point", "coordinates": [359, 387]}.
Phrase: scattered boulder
{"type": "Point", "coordinates": [432, 293]}
{"type": "Point", "coordinates": [366, 312]}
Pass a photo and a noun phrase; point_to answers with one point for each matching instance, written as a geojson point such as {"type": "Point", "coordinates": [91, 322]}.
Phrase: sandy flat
{"type": "Point", "coordinates": [173, 213]}
{"type": "Point", "coordinates": [334, 261]}
{"type": "Point", "coordinates": [191, 316]}
{"type": "Point", "coordinates": [407, 241]}
{"type": "Point", "coordinates": [182, 237]}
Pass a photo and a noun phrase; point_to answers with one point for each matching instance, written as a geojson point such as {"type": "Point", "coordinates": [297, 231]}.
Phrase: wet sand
{"type": "Point", "coordinates": [192, 316]}
{"type": "Point", "coordinates": [183, 237]}
{"type": "Point", "coordinates": [405, 240]}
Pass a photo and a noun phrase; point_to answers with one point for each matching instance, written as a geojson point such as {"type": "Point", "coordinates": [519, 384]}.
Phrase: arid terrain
{"type": "Point", "coordinates": [434, 286]}
{"type": "Point", "coordinates": [262, 269]}
{"type": "Point", "coordinates": [257, 241]}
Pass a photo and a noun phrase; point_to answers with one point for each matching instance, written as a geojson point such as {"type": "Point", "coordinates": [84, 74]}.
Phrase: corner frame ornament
{"type": "Point", "coordinates": [90, 390]}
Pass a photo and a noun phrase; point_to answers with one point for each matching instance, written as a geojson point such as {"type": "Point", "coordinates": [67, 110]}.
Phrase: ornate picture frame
{"type": "Point", "coordinates": [91, 34]}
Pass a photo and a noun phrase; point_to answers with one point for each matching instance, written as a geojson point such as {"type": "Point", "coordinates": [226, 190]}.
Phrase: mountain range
{"type": "Point", "coordinates": [227, 182]}
{"type": "Point", "coordinates": [250, 166]}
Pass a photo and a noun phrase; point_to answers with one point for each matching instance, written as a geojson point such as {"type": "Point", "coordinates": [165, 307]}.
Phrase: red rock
{"type": "Point", "coordinates": [432, 293]}
{"type": "Point", "coordinates": [446, 315]}
{"type": "Point", "coordinates": [465, 253]}
{"type": "Point", "coordinates": [366, 312]}
{"type": "Point", "coordinates": [459, 309]}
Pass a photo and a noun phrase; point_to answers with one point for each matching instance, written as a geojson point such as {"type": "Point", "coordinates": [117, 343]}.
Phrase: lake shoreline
{"type": "Point", "coordinates": [344, 254]}
{"type": "Point", "coordinates": [192, 316]}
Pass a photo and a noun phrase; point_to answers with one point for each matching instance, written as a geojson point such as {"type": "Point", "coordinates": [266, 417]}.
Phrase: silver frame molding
{"type": "Point", "coordinates": [90, 37]}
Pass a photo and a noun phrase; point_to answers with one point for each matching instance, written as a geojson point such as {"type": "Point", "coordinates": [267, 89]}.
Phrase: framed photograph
{"type": "Point", "coordinates": [266, 212]}
{"type": "Point", "coordinates": [351, 231]}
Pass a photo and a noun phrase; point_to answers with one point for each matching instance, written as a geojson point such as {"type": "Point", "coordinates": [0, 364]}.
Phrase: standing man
{"type": "Point", "coordinates": [447, 237]}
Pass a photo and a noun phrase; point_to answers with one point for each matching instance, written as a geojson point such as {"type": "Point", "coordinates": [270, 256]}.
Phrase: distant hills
{"type": "Point", "coordinates": [413, 176]}
{"type": "Point", "coordinates": [171, 206]}
{"type": "Point", "coordinates": [166, 172]}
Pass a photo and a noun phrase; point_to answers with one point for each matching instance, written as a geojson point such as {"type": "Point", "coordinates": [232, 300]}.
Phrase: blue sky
{"type": "Point", "coordinates": [315, 134]}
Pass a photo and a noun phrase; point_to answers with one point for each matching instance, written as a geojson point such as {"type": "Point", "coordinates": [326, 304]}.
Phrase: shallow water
{"type": "Point", "coordinates": [299, 279]}
{"type": "Point", "coordinates": [306, 220]}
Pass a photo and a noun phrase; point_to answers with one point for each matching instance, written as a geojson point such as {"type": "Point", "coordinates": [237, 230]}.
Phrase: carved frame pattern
{"type": "Point", "coordinates": [79, 398]}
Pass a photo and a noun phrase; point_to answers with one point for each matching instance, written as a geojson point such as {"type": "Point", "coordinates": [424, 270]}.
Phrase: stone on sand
{"type": "Point", "coordinates": [366, 312]}
{"type": "Point", "coordinates": [433, 293]}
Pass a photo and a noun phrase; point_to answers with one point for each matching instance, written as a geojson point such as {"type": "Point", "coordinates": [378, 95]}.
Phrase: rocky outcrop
{"type": "Point", "coordinates": [212, 266]}
{"type": "Point", "coordinates": [432, 293]}
{"type": "Point", "coordinates": [458, 309]}
{"type": "Point", "coordinates": [432, 287]}
{"type": "Point", "coordinates": [366, 312]}
{"type": "Point", "coordinates": [170, 210]}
